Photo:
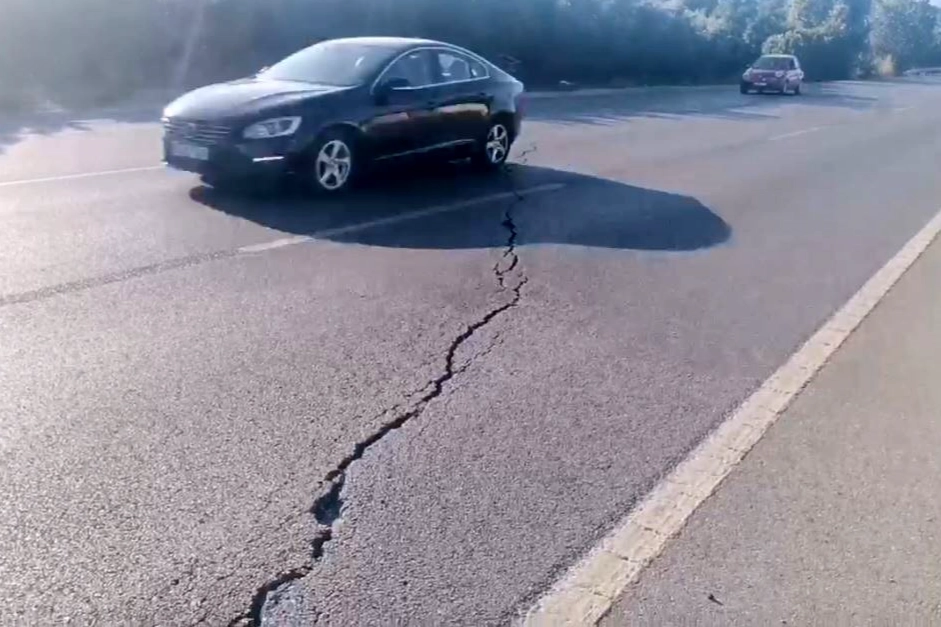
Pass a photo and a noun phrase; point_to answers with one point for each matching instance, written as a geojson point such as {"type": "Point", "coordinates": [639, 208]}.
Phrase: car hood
{"type": "Point", "coordinates": [245, 97]}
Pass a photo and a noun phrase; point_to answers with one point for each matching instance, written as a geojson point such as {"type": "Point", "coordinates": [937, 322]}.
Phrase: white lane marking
{"type": "Point", "coordinates": [83, 175]}
{"type": "Point", "coordinates": [902, 109]}
{"type": "Point", "coordinates": [796, 133]}
{"type": "Point", "coordinates": [278, 243]}
{"type": "Point", "coordinates": [587, 591]}
{"type": "Point", "coordinates": [402, 217]}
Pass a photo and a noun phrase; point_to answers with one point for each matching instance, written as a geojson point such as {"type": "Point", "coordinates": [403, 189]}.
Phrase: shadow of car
{"type": "Point", "coordinates": [453, 208]}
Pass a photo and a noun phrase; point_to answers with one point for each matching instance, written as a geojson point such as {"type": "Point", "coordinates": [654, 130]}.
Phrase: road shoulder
{"type": "Point", "coordinates": [832, 516]}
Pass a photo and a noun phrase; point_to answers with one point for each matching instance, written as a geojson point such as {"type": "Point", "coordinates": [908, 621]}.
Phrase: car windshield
{"type": "Point", "coordinates": [330, 63]}
{"type": "Point", "coordinates": [772, 63]}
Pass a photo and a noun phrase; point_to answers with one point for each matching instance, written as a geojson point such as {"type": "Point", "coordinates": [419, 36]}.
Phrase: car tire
{"type": "Point", "coordinates": [251, 186]}
{"type": "Point", "coordinates": [492, 152]}
{"type": "Point", "coordinates": [222, 183]}
{"type": "Point", "coordinates": [332, 164]}
{"type": "Point", "coordinates": [797, 89]}
{"type": "Point", "coordinates": [744, 88]}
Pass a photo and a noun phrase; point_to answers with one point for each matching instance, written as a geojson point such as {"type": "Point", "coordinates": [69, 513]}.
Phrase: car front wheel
{"type": "Point", "coordinates": [494, 150]}
{"type": "Point", "coordinates": [332, 163]}
{"type": "Point", "coordinates": [744, 88]}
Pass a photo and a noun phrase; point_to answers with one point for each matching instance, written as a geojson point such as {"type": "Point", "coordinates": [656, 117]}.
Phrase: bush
{"type": "Point", "coordinates": [104, 50]}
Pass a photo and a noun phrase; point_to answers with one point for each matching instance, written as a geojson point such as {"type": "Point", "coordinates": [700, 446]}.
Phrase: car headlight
{"type": "Point", "coordinates": [747, 75]}
{"type": "Point", "coordinates": [779, 74]}
{"type": "Point", "coordinates": [275, 127]}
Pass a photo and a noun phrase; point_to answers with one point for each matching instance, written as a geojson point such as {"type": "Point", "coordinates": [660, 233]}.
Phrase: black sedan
{"type": "Point", "coordinates": [327, 112]}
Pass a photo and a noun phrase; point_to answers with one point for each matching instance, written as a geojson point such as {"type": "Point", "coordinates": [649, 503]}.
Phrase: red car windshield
{"type": "Point", "coordinates": [772, 63]}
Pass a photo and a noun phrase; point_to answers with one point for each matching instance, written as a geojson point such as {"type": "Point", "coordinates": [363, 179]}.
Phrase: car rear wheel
{"type": "Point", "coordinates": [493, 151]}
{"type": "Point", "coordinates": [332, 164]}
{"type": "Point", "coordinates": [224, 183]}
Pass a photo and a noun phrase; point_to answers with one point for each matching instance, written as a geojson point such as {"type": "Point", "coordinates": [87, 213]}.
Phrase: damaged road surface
{"type": "Point", "coordinates": [267, 604]}
{"type": "Point", "coordinates": [422, 403]}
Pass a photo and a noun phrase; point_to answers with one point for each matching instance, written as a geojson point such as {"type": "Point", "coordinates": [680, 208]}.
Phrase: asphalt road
{"type": "Point", "coordinates": [422, 403]}
{"type": "Point", "coordinates": [832, 519]}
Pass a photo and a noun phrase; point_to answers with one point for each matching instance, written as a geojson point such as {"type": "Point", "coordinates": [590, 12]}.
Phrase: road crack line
{"type": "Point", "coordinates": [327, 507]}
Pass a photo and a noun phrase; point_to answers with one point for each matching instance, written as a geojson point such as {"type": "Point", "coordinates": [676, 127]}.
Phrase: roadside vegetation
{"type": "Point", "coordinates": [87, 52]}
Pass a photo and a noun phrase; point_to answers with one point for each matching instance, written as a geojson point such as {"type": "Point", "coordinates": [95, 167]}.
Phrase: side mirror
{"type": "Point", "coordinates": [386, 87]}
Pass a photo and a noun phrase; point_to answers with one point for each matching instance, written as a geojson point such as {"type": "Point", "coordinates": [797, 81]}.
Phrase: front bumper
{"type": "Point", "coordinates": [237, 159]}
{"type": "Point", "coordinates": [772, 83]}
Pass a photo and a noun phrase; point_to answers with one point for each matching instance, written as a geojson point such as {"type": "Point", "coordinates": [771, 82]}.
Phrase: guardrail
{"type": "Point", "coordinates": [922, 71]}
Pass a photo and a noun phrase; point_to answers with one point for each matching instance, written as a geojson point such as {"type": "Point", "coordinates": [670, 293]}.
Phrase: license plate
{"type": "Point", "coordinates": [760, 83]}
{"type": "Point", "coordinates": [189, 151]}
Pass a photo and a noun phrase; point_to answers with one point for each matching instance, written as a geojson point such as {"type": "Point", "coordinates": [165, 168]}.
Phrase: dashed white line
{"type": "Point", "coordinates": [278, 243]}
{"type": "Point", "coordinates": [902, 109]}
{"type": "Point", "coordinates": [192, 260]}
{"type": "Point", "coordinates": [587, 591]}
{"type": "Point", "coordinates": [83, 175]}
{"type": "Point", "coordinates": [401, 217]}
{"type": "Point", "coordinates": [796, 133]}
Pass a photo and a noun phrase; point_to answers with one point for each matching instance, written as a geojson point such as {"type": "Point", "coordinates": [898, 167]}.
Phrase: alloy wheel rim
{"type": "Point", "coordinates": [333, 165]}
{"type": "Point", "coordinates": [497, 143]}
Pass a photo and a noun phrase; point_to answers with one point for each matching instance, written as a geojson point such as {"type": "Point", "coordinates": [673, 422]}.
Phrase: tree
{"type": "Point", "coordinates": [113, 47]}
{"type": "Point", "coordinates": [829, 48]}
{"type": "Point", "coordinates": [904, 31]}
{"type": "Point", "coordinates": [770, 19]}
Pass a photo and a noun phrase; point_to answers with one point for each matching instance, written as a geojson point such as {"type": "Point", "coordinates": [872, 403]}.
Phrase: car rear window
{"type": "Point", "coordinates": [455, 67]}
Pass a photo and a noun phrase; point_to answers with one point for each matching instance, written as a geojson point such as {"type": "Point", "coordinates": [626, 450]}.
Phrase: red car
{"type": "Point", "coordinates": [773, 72]}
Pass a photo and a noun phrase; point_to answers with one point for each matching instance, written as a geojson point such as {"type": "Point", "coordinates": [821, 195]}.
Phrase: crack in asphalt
{"type": "Point", "coordinates": [327, 507]}
{"type": "Point", "coordinates": [509, 252]}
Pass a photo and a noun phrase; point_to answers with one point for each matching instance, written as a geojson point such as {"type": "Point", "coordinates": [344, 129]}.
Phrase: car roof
{"type": "Point", "coordinates": [397, 43]}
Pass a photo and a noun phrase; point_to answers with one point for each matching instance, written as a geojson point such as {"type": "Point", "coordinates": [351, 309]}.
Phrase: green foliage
{"type": "Point", "coordinates": [98, 50]}
{"type": "Point", "coordinates": [906, 32]}
{"type": "Point", "coordinates": [825, 46]}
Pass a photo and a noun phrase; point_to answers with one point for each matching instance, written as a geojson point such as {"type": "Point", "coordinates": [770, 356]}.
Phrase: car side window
{"type": "Point", "coordinates": [414, 67]}
{"type": "Point", "coordinates": [453, 67]}
{"type": "Point", "coordinates": [792, 64]}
